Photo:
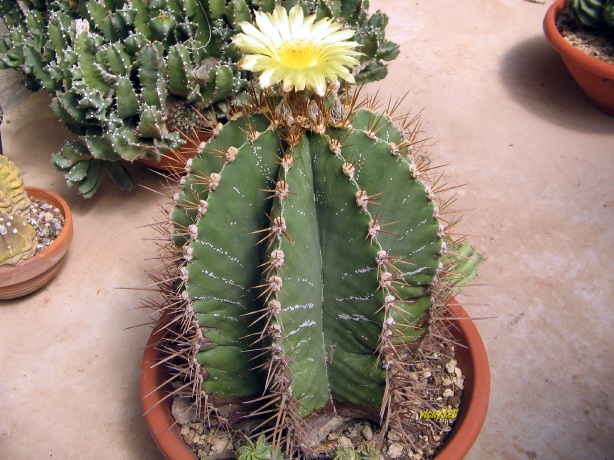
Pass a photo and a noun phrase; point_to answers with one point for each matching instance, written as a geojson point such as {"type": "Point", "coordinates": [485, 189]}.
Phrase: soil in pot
{"type": "Point", "coordinates": [439, 383]}
{"type": "Point", "coordinates": [598, 44]}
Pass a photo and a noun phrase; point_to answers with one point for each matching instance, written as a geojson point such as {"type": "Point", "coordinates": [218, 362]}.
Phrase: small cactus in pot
{"type": "Point", "coordinates": [27, 225]}
{"type": "Point", "coordinates": [17, 236]}
{"type": "Point", "coordinates": [35, 233]}
{"type": "Point", "coordinates": [306, 256]}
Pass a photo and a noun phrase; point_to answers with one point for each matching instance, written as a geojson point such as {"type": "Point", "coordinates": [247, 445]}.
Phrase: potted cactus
{"type": "Point", "coordinates": [582, 31]}
{"type": "Point", "coordinates": [124, 75]}
{"type": "Point", "coordinates": [35, 233]}
{"type": "Point", "coordinates": [306, 263]}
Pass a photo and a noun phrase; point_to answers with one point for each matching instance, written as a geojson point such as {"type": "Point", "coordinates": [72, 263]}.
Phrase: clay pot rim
{"type": "Point", "coordinates": [472, 413]}
{"type": "Point", "coordinates": [558, 42]}
{"type": "Point", "coordinates": [54, 252]}
{"type": "Point", "coordinates": [474, 403]}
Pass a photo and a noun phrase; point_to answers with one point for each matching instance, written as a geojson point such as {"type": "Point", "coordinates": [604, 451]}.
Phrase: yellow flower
{"type": "Point", "coordinates": [298, 51]}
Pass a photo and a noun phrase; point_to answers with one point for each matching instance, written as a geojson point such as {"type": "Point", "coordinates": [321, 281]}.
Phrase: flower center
{"type": "Point", "coordinates": [298, 54]}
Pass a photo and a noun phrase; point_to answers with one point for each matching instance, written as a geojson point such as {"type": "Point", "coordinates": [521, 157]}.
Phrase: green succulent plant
{"type": "Point", "coordinates": [592, 13]}
{"type": "Point", "coordinates": [116, 69]}
{"type": "Point", "coordinates": [17, 236]}
{"type": "Point", "coordinates": [260, 450]}
{"type": "Point", "coordinates": [306, 260]}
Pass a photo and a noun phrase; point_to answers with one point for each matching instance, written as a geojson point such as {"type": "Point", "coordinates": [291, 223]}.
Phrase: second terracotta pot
{"type": "Point", "coordinates": [594, 76]}
{"type": "Point", "coordinates": [32, 274]}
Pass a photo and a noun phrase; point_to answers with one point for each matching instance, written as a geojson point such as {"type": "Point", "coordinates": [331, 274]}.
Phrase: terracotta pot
{"type": "Point", "coordinates": [595, 77]}
{"type": "Point", "coordinates": [37, 271]}
{"type": "Point", "coordinates": [174, 161]}
{"type": "Point", "coordinates": [157, 404]}
{"type": "Point", "coordinates": [471, 357]}
{"type": "Point", "coordinates": [473, 361]}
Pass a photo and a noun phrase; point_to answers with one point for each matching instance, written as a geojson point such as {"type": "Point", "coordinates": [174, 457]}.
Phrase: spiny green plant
{"type": "Point", "coordinates": [116, 68]}
{"type": "Point", "coordinates": [306, 261]}
{"type": "Point", "coordinates": [17, 236]}
{"type": "Point", "coordinates": [260, 450]}
{"type": "Point", "coordinates": [592, 13]}
{"type": "Point", "coordinates": [306, 255]}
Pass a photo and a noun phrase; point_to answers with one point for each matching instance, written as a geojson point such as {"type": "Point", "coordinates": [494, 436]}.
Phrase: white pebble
{"type": "Point", "coordinates": [395, 450]}
{"type": "Point", "coordinates": [367, 433]}
{"type": "Point", "coordinates": [221, 445]}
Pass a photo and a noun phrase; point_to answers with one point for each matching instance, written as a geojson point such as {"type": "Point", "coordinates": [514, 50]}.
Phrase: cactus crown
{"type": "Point", "coordinates": [13, 195]}
{"type": "Point", "coordinates": [306, 258]}
{"type": "Point", "coordinates": [593, 13]}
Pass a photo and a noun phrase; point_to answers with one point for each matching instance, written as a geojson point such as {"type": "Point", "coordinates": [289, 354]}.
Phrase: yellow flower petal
{"type": "Point", "coordinates": [297, 51]}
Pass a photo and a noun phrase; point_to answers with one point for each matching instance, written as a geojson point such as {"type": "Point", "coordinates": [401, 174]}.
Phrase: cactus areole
{"type": "Point", "coordinates": [305, 258]}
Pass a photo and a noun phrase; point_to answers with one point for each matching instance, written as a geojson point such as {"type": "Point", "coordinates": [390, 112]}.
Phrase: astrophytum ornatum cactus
{"type": "Point", "coordinates": [13, 195]}
{"type": "Point", "coordinates": [305, 259]}
{"type": "Point", "coordinates": [306, 254]}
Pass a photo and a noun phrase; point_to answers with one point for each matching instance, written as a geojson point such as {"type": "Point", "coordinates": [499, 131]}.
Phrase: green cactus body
{"type": "Point", "coordinates": [592, 13]}
{"type": "Point", "coordinates": [608, 13]}
{"type": "Point", "coordinates": [17, 239]}
{"type": "Point", "coordinates": [13, 195]}
{"type": "Point", "coordinates": [308, 249]}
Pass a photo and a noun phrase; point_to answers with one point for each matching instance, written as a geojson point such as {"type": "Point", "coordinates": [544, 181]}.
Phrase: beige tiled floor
{"type": "Point", "coordinates": [537, 161]}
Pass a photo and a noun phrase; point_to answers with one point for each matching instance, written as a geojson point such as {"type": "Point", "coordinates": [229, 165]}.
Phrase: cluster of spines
{"type": "Point", "coordinates": [183, 335]}
{"type": "Point", "coordinates": [289, 426]}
